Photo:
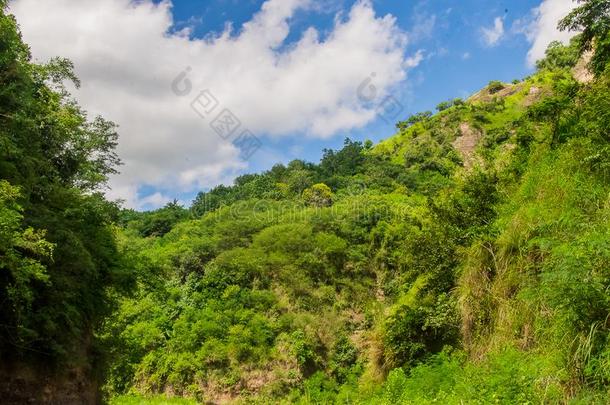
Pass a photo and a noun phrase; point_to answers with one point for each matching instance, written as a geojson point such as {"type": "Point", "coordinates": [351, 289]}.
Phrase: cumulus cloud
{"type": "Point", "coordinates": [127, 57]}
{"type": "Point", "coordinates": [492, 35]}
{"type": "Point", "coordinates": [542, 28]}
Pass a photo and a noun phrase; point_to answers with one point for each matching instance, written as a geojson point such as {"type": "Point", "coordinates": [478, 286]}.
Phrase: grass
{"type": "Point", "coordinates": [156, 400]}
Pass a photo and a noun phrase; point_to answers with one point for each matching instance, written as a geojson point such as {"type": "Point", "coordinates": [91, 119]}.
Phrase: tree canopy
{"type": "Point", "coordinates": [592, 18]}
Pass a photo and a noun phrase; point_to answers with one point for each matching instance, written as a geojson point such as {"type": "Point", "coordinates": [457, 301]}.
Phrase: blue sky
{"type": "Point", "coordinates": [457, 62]}
{"type": "Point", "coordinates": [289, 70]}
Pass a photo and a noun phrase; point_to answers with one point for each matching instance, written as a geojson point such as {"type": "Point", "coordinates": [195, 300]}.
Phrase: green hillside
{"type": "Point", "coordinates": [466, 259]}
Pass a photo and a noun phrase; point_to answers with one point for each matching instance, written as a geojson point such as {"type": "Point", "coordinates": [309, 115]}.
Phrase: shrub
{"type": "Point", "coordinates": [318, 195]}
{"type": "Point", "coordinates": [495, 86]}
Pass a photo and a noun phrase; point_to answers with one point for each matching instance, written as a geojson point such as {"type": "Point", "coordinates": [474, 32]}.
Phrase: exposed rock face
{"type": "Point", "coordinates": [20, 384]}
{"type": "Point", "coordinates": [581, 71]}
{"type": "Point", "coordinates": [484, 95]}
{"type": "Point", "coordinates": [533, 95]}
{"type": "Point", "coordinates": [534, 91]}
{"type": "Point", "coordinates": [467, 143]}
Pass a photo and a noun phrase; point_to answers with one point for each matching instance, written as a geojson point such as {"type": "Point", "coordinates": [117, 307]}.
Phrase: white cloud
{"type": "Point", "coordinates": [492, 35]}
{"type": "Point", "coordinates": [542, 30]}
{"type": "Point", "coordinates": [154, 200]}
{"type": "Point", "coordinates": [424, 26]}
{"type": "Point", "coordinates": [127, 57]}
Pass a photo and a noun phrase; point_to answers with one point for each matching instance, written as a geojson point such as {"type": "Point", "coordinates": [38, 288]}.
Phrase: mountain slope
{"type": "Point", "coordinates": [469, 250]}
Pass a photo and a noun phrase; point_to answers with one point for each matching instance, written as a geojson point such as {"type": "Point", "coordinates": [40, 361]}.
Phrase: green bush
{"type": "Point", "coordinates": [495, 86]}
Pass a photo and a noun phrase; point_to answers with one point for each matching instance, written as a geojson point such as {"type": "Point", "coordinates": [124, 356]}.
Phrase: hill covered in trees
{"type": "Point", "coordinates": [466, 259]}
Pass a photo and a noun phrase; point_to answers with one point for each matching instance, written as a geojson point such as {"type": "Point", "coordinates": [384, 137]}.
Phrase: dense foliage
{"type": "Point", "coordinates": [58, 256]}
{"type": "Point", "coordinates": [464, 260]}
{"type": "Point", "coordinates": [592, 18]}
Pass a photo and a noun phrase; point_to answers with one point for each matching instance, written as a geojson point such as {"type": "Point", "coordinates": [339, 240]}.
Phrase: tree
{"type": "Point", "coordinates": [21, 252]}
{"type": "Point", "coordinates": [161, 221]}
{"type": "Point", "coordinates": [495, 86]}
{"type": "Point", "coordinates": [444, 106]}
{"type": "Point", "coordinates": [414, 119]}
{"type": "Point", "coordinates": [54, 161]}
{"type": "Point", "coordinates": [298, 180]}
{"type": "Point", "coordinates": [559, 56]}
{"type": "Point", "coordinates": [458, 102]}
{"type": "Point", "coordinates": [593, 19]}
{"type": "Point", "coordinates": [345, 162]}
{"type": "Point", "coordinates": [549, 110]}
{"type": "Point", "coordinates": [318, 195]}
